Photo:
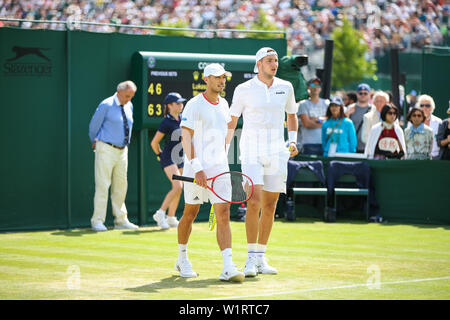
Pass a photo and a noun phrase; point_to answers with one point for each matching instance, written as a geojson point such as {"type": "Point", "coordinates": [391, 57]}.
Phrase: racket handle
{"type": "Point", "coordinates": [181, 178]}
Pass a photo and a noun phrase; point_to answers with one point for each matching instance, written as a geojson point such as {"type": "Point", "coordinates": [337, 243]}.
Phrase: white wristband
{"type": "Point", "coordinates": [227, 148]}
{"type": "Point", "coordinates": [292, 136]}
{"type": "Point", "coordinates": [196, 165]}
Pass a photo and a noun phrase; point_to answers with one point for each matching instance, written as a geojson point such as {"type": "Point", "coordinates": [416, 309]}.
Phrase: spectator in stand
{"type": "Point", "coordinates": [426, 103]}
{"type": "Point", "coordinates": [411, 99]}
{"type": "Point", "coordinates": [357, 111]}
{"type": "Point", "coordinates": [386, 138]}
{"type": "Point", "coordinates": [338, 132]}
{"type": "Point", "coordinates": [350, 98]}
{"type": "Point", "coordinates": [443, 138]}
{"type": "Point", "coordinates": [371, 118]}
{"type": "Point", "coordinates": [405, 24]}
{"type": "Point", "coordinates": [311, 114]}
{"type": "Point", "coordinates": [418, 136]}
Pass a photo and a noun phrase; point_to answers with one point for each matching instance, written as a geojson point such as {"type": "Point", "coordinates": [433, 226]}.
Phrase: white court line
{"type": "Point", "coordinates": [329, 288]}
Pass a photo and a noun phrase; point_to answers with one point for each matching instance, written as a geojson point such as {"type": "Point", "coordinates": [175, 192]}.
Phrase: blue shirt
{"type": "Point", "coordinates": [344, 135]}
{"type": "Point", "coordinates": [107, 123]}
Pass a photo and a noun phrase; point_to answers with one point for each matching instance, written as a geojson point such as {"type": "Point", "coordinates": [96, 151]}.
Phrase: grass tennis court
{"type": "Point", "coordinates": [315, 260]}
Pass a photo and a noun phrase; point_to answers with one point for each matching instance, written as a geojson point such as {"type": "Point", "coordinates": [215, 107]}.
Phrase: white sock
{"type": "Point", "coordinates": [252, 248]}
{"type": "Point", "coordinates": [261, 250]}
{"type": "Point", "coordinates": [182, 251]}
{"type": "Point", "coordinates": [227, 257]}
{"type": "Point", "coordinates": [162, 211]}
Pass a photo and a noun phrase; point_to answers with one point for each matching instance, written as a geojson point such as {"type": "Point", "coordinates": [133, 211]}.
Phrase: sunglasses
{"type": "Point", "coordinates": [363, 93]}
{"type": "Point", "coordinates": [416, 115]}
{"type": "Point", "coordinates": [426, 105]}
{"type": "Point", "coordinates": [314, 85]}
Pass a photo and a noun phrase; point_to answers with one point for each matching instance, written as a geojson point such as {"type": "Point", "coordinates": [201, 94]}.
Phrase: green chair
{"type": "Point", "coordinates": [339, 191]}
{"type": "Point", "coordinates": [306, 175]}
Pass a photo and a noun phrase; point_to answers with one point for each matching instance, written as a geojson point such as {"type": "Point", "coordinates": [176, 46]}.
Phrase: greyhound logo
{"type": "Point", "coordinates": [39, 64]}
{"type": "Point", "coordinates": [22, 51]}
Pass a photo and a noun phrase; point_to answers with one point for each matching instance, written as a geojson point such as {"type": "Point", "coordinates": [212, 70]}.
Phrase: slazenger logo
{"type": "Point", "coordinates": [19, 65]}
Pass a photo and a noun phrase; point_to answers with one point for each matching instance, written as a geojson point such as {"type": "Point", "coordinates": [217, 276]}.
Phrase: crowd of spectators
{"type": "Point", "coordinates": [403, 24]}
{"type": "Point", "coordinates": [371, 124]}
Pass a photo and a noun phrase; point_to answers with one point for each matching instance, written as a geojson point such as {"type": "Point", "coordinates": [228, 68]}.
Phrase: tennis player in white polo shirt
{"type": "Point", "coordinates": [263, 103]}
{"type": "Point", "coordinates": [204, 130]}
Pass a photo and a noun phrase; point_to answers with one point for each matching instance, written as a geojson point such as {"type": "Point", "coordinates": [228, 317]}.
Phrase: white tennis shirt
{"type": "Point", "coordinates": [263, 111]}
{"type": "Point", "coordinates": [209, 122]}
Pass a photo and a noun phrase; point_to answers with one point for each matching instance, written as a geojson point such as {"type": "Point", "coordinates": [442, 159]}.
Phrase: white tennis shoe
{"type": "Point", "coordinates": [184, 267]}
{"type": "Point", "coordinates": [263, 266]}
{"type": "Point", "coordinates": [160, 218]}
{"type": "Point", "coordinates": [172, 222]}
{"type": "Point", "coordinates": [250, 269]}
{"type": "Point", "coordinates": [231, 273]}
{"type": "Point", "coordinates": [127, 225]}
{"type": "Point", "coordinates": [99, 227]}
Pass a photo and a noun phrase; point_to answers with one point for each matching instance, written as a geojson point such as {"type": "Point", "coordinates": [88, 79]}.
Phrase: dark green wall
{"type": "Point", "coordinates": [413, 191]}
{"type": "Point", "coordinates": [33, 165]}
{"type": "Point", "coordinates": [47, 167]}
{"type": "Point", "coordinates": [435, 78]}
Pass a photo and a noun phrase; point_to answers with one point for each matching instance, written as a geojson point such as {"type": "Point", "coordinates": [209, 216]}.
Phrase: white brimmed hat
{"type": "Point", "coordinates": [215, 69]}
{"type": "Point", "coordinates": [263, 52]}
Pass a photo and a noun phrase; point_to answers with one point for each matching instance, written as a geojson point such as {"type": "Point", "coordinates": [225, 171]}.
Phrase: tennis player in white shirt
{"type": "Point", "coordinates": [263, 103]}
{"type": "Point", "coordinates": [204, 130]}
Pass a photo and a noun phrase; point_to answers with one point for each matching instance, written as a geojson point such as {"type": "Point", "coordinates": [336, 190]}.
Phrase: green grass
{"type": "Point", "coordinates": [315, 260]}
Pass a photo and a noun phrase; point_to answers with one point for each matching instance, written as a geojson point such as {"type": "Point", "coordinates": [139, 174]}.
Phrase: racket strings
{"type": "Point", "coordinates": [232, 187]}
{"type": "Point", "coordinates": [240, 188]}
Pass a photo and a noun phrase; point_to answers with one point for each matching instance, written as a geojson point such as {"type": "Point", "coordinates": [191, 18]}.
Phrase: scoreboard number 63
{"type": "Point", "coordinates": [152, 109]}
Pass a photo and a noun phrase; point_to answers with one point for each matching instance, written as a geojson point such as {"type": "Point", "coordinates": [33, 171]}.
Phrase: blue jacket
{"type": "Point", "coordinates": [344, 135]}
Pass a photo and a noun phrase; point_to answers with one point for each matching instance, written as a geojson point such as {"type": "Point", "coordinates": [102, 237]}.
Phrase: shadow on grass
{"type": "Point", "coordinates": [73, 232]}
{"type": "Point", "coordinates": [88, 231]}
{"type": "Point", "coordinates": [348, 220]}
{"type": "Point", "coordinates": [176, 281]}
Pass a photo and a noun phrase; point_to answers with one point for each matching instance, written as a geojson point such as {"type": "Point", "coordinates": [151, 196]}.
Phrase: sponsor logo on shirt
{"type": "Point", "coordinates": [280, 92]}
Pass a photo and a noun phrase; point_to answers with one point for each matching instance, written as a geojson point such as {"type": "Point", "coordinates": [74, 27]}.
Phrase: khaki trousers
{"type": "Point", "coordinates": [111, 165]}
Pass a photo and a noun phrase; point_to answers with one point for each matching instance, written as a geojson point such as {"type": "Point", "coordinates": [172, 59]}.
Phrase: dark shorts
{"type": "Point", "coordinates": [165, 162]}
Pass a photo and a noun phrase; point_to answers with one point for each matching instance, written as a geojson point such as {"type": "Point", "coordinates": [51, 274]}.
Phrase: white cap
{"type": "Point", "coordinates": [263, 52]}
{"type": "Point", "coordinates": [215, 69]}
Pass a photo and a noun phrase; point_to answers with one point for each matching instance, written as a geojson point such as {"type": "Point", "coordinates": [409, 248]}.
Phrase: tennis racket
{"type": "Point", "coordinates": [212, 219]}
{"type": "Point", "coordinates": [231, 186]}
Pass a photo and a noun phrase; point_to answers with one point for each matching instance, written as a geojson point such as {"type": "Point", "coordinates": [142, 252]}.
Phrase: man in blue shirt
{"type": "Point", "coordinates": [110, 134]}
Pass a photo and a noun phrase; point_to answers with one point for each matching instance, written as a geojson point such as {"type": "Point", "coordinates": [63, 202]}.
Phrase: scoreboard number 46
{"type": "Point", "coordinates": [155, 88]}
{"type": "Point", "coordinates": [152, 109]}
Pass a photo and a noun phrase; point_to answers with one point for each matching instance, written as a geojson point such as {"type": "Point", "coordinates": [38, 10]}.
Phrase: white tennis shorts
{"type": "Point", "coordinates": [270, 171]}
{"type": "Point", "coordinates": [194, 194]}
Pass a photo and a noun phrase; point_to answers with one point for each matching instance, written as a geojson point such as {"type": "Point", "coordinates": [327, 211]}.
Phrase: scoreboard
{"type": "Point", "coordinates": [158, 73]}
